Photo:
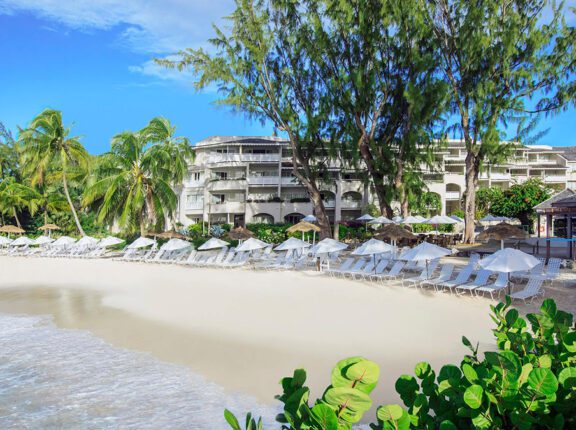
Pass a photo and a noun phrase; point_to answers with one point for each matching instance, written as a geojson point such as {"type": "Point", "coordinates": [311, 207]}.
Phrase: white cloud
{"type": "Point", "coordinates": [154, 27]}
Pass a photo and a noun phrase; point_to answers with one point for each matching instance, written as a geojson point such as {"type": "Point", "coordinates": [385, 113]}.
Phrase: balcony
{"type": "Point", "coordinates": [227, 184]}
{"type": "Point", "coordinates": [242, 158]}
{"type": "Point", "coordinates": [495, 176]}
{"type": "Point", "coordinates": [329, 204]}
{"type": "Point", "coordinates": [554, 179]}
{"type": "Point", "coordinates": [227, 207]}
{"type": "Point", "coordinates": [453, 195]}
{"type": "Point", "coordinates": [351, 204]}
{"type": "Point", "coordinates": [194, 207]}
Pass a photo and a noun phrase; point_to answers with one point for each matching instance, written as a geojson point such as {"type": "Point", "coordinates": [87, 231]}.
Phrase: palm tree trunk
{"type": "Point", "coordinates": [16, 218]}
{"type": "Point", "coordinates": [74, 214]}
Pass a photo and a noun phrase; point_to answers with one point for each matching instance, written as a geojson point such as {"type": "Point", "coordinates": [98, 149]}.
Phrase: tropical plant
{"type": "Point", "coordinates": [528, 383]}
{"type": "Point", "coordinates": [134, 186]}
{"type": "Point", "coordinates": [49, 153]}
{"type": "Point", "coordinates": [217, 231]}
{"type": "Point", "coordinates": [50, 201]}
{"type": "Point", "coordinates": [15, 197]}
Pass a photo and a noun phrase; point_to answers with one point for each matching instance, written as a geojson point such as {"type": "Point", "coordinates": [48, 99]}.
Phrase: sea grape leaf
{"type": "Point", "coordinates": [325, 416]}
{"type": "Point", "coordinates": [543, 381]}
{"type": "Point", "coordinates": [473, 396]}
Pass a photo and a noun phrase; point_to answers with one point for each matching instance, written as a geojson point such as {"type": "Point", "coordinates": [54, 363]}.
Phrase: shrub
{"type": "Point", "coordinates": [528, 383]}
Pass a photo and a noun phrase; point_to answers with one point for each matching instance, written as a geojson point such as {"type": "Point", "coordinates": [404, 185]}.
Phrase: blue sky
{"type": "Point", "coordinates": [92, 60]}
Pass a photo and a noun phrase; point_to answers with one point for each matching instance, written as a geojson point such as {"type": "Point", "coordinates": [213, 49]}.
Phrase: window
{"type": "Point", "coordinates": [218, 198]}
{"type": "Point", "coordinates": [194, 201]}
{"type": "Point", "coordinates": [196, 176]}
{"type": "Point", "coordinates": [221, 175]}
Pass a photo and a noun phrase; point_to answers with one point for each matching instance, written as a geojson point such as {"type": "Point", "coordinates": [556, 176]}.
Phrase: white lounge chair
{"type": "Point", "coordinates": [495, 287]}
{"type": "Point", "coordinates": [424, 275]}
{"type": "Point", "coordinates": [445, 275]}
{"type": "Point", "coordinates": [460, 279]}
{"type": "Point", "coordinates": [356, 267]}
{"type": "Point", "coordinates": [532, 290]}
{"type": "Point", "coordinates": [480, 280]}
{"type": "Point", "coordinates": [346, 264]}
{"type": "Point", "coordinates": [393, 273]}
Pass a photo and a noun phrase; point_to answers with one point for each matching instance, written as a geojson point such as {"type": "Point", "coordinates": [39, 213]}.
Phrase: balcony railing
{"type": "Point", "coordinates": [452, 195]}
{"type": "Point", "coordinates": [227, 207]}
{"type": "Point", "coordinates": [495, 176]}
{"type": "Point", "coordinates": [554, 178]}
{"type": "Point", "coordinates": [231, 158]}
{"type": "Point", "coordinates": [351, 204]}
{"type": "Point", "coordinates": [227, 184]}
{"type": "Point", "coordinates": [194, 206]}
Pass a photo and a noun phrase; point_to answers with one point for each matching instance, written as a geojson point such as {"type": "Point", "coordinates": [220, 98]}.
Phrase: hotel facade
{"type": "Point", "coordinates": [248, 179]}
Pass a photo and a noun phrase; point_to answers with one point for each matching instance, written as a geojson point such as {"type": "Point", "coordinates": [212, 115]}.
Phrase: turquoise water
{"type": "Point", "coordinates": [55, 378]}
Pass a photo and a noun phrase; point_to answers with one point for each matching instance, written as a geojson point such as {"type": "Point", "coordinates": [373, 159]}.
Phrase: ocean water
{"type": "Point", "coordinates": [52, 378]}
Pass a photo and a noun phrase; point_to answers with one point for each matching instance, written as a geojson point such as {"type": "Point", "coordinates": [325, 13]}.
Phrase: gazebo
{"type": "Point", "coordinates": [560, 206]}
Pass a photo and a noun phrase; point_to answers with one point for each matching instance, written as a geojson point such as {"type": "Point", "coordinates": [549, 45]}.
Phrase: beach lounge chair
{"type": "Point", "coordinates": [346, 264]}
{"type": "Point", "coordinates": [240, 259]}
{"type": "Point", "coordinates": [424, 275]}
{"type": "Point", "coordinates": [379, 269]}
{"type": "Point", "coordinates": [460, 279]}
{"type": "Point", "coordinates": [393, 273]}
{"type": "Point", "coordinates": [532, 290]}
{"type": "Point", "coordinates": [445, 275]}
{"type": "Point", "coordinates": [356, 267]}
{"type": "Point", "coordinates": [495, 287]}
{"type": "Point", "coordinates": [552, 269]}
{"type": "Point", "coordinates": [480, 280]}
{"type": "Point", "coordinates": [359, 268]}
{"type": "Point", "coordinates": [367, 270]}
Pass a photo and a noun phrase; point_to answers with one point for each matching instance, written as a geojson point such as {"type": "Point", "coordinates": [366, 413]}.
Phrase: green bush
{"type": "Point", "coordinates": [270, 233]}
{"type": "Point", "coordinates": [528, 383]}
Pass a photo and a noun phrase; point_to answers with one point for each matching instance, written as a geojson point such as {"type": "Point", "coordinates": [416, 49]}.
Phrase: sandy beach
{"type": "Point", "coordinates": [243, 329]}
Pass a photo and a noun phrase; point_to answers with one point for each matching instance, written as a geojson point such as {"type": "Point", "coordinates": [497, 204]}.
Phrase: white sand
{"type": "Point", "coordinates": [246, 329]}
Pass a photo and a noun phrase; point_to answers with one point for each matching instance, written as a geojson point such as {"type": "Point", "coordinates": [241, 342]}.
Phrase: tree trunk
{"type": "Point", "coordinates": [45, 217]}
{"type": "Point", "coordinates": [377, 179]}
{"type": "Point", "coordinates": [472, 167]}
{"type": "Point", "coordinates": [319, 210]}
{"type": "Point", "coordinates": [74, 214]}
{"type": "Point", "coordinates": [142, 228]}
{"type": "Point", "coordinates": [16, 218]}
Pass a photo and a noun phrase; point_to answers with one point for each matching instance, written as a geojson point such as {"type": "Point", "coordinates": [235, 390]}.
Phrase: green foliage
{"type": "Point", "coordinates": [528, 383]}
{"type": "Point", "coordinates": [425, 203]}
{"type": "Point", "coordinates": [372, 209]}
{"type": "Point", "coordinates": [270, 233]}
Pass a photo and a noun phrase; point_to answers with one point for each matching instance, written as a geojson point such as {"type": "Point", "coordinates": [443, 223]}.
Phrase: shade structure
{"type": "Point", "coordinates": [381, 220]}
{"type": "Point", "coordinates": [291, 244]}
{"type": "Point", "coordinates": [412, 220]}
{"type": "Point", "coordinates": [43, 240]}
{"type": "Point", "coordinates": [49, 227]}
{"type": "Point", "coordinates": [22, 241]}
{"type": "Point", "coordinates": [240, 233]}
{"type": "Point", "coordinates": [5, 241]}
{"type": "Point", "coordinates": [502, 232]}
{"type": "Point", "coordinates": [309, 218]}
{"type": "Point", "coordinates": [170, 234]}
{"type": "Point", "coordinates": [393, 232]}
{"type": "Point", "coordinates": [457, 219]}
{"type": "Point", "coordinates": [11, 229]}
{"type": "Point", "coordinates": [372, 247]}
{"type": "Point", "coordinates": [509, 260]}
{"type": "Point", "coordinates": [252, 244]}
{"type": "Point", "coordinates": [87, 241]}
{"type": "Point", "coordinates": [421, 218]}
{"type": "Point", "coordinates": [213, 243]}
{"type": "Point", "coordinates": [492, 218]}
{"type": "Point", "coordinates": [398, 219]}
{"type": "Point", "coordinates": [425, 252]}
{"type": "Point", "coordinates": [365, 217]}
{"type": "Point", "coordinates": [141, 242]}
{"type": "Point", "coordinates": [326, 246]}
{"type": "Point", "coordinates": [176, 245]}
{"type": "Point", "coordinates": [440, 219]}
{"type": "Point", "coordinates": [303, 226]}
{"type": "Point", "coordinates": [64, 241]}
{"type": "Point", "coordinates": [110, 241]}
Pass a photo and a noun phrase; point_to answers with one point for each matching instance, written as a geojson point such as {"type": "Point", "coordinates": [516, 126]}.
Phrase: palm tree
{"type": "Point", "coordinates": [134, 186]}
{"type": "Point", "coordinates": [49, 152]}
{"type": "Point", "coordinates": [50, 201]}
{"type": "Point", "coordinates": [15, 197]}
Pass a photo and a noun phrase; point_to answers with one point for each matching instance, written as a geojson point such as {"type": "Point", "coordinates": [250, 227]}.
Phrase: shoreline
{"type": "Point", "coordinates": [245, 330]}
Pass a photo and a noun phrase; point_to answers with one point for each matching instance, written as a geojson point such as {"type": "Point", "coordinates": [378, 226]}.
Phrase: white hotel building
{"type": "Point", "coordinates": [246, 179]}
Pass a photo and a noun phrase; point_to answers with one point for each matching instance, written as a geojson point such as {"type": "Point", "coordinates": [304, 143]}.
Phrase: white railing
{"type": "Point", "coordinates": [263, 180]}
{"type": "Point", "coordinates": [351, 204]}
{"type": "Point", "coordinates": [554, 178]}
{"type": "Point", "coordinates": [452, 195]}
{"type": "Point", "coordinates": [227, 207]}
{"type": "Point", "coordinates": [194, 206]}
{"type": "Point", "coordinates": [495, 176]}
{"type": "Point", "coordinates": [227, 184]}
{"type": "Point", "coordinates": [231, 158]}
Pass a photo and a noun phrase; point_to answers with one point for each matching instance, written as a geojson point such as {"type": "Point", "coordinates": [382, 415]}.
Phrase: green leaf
{"type": "Point", "coordinates": [570, 341]}
{"type": "Point", "coordinates": [548, 308]}
{"type": "Point", "coordinates": [545, 361]}
{"type": "Point", "coordinates": [394, 415]}
{"type": "Point", "coordinates": [480, 421]}
{"type": "Point", "coordinates": [473, 396]}
{"type": "Point", "coordinates": [511, 317]}
{"type": "Point", "coordinates": [449, 372]}
{"type": "Point", "coordinates": [231, 420]}
{"type": "Point", "coordinates": [352, 403]}
{"type": "Point", "coordinates": [567, 378]}
{"type": "Point", "coordinates": [356, 372]}
{"type": "Point", "coordinates": [526, 369]}
{"type": "Point", "coordinates": [469, 373]}
{"type": "Point", "coordinates": [543, 381]}
{"type": "Point", "coordinates": [325, 416]}
{"type": "Point", "coordinates": [422, 370]}
{"type": "Point", "coordinates": [447, 425]}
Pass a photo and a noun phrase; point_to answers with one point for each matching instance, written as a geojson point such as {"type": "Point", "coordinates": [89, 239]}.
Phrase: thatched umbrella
{"type": "Point", "coordinates": [171, 234]}
{"type": "Point", "coordinates": [11, 229]}
{"type": "Point", "coordinates": [239, 233]}
{"type": "Point", "coordinates": [49, 228]}
{"type": "Point", "coordinates": [501, 232]}
{"type": "Point", "coordinates": [393, 232]}
{"type": "Point", "coordinates": [304, 227]}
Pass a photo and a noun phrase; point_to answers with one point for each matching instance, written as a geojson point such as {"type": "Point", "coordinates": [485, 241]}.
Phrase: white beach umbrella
{"type": "Point", "coordinates": [64, 241]}
{"type": "Point", "coordinates": [397, 219]}
{"type": "Point", "coordinates": [440, 219]}
{"type": "Point", "coordinates": [381, 220]}
{"type": "Point", "coordinates": [326, 246]}
{"type": "Point", "coordinates": [21, 241]}
{"type": "Point", "coordinates": [110, 241]}
{"type": "Point", "coordinates": [372, 247]}
{"type": "Point", "coordinates": [412, 220]}
{"type": "Point", "coordinates": [175, 245]}
{"type": "Point", "coordinates": [490, 218]}
{"type": "Point", "coordinates": [43, 240]}
{"type": "Point", "coordinates": [292, 243]}
{"type": "Point", "coordinates": [87, 241]}
{"type": "Point", "coordinates": [252, 244]}
{"type": "Point", "coordinates": [457, 219]}
{"type": "Point", "coordinates": [509, 260]}
{"type": "Point", "coordinates": [141, 242]}
{"type": "Point", "coordinates": [420, 218]}
{"type": "Point", "coordinates": [425, 252]}
{"type": "Point", "coordinates": [5, 241]}
{"type": "Point", "coordinates": [213, 243]}
{"type": "Point", "coordinates": [309, 218]}
{"type": "Point", "coordinates": [365, 217]}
